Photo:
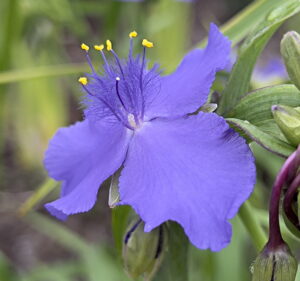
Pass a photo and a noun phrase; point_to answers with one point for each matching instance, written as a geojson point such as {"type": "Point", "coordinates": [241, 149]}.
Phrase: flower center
{"type": "Point", "coordinates": [122, 90]}
{"type": "Point", "coordinates": [131, 121]}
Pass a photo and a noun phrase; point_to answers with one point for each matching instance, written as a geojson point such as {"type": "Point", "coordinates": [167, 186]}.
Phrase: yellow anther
{"type": "Point", "coordinates": [133, 34]}
{"type": "Point", "coordinates": [85, 47]}
{"type": "Point", "coordinates": [83, 80]}
{"type": "Point", "coordinates": [108, 45]}
{"type": "Point", "coordinates": [99, 47]}
{"type": "Point", "coordinates": [147, 43]}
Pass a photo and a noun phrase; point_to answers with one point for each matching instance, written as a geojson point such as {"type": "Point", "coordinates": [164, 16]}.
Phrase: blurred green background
{"type": "Point", "coordinates": [40, 62]}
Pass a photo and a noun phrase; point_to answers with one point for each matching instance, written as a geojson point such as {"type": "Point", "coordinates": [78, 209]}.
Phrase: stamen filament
{"type": "Point", "coordinates": [90, 62]}
{"type": "Point", "coordinates": [132, 35]}
{"type": "Point", "coordinates": [104, 59]}
{"type": "Point", "coordinates": [86, 49]}
{"type": "Point", "coordinates": [118, 62]}
{"type": "Point", "coordinates": [141, 80]}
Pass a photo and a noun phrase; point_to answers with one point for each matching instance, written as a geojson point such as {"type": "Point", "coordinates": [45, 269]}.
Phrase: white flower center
{"type": "Point", "coordinates": [131, 121]}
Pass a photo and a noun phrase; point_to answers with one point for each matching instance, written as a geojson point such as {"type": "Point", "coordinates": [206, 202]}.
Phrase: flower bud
{"type": "Point", "coordinates": [290, 51]}
{"type": "Point", "coordinates": [288, 120]}
{"type": "Point", "coordinates": [143, 251]}
{"type": "Point", "coordinates": [275, 265]}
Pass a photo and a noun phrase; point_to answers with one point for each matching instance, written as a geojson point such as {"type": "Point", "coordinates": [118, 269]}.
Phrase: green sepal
{"type": "Point", "coordinates": [275, 265]}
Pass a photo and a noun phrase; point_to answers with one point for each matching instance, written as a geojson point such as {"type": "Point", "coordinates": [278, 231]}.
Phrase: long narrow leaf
{"type": "Point", "coordinates": [240, 76]}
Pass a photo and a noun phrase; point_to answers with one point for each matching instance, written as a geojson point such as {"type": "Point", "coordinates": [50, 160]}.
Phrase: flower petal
{"type": "Point", "coordinates": [194, 170]}
{"type": "Point", "coordinates": [187, 89]}
{"type": "Point", "coordinates": [83, 157]}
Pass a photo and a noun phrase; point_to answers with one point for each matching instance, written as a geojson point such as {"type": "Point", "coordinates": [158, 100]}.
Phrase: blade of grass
{"type": "Point", "coordinates": [43, 71]}
{"type": "Point", "coordinates": [37, 196]}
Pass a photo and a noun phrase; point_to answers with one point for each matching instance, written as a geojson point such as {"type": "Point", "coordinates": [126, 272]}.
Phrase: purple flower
{"type": "Point", "coordinates": [192, 169]}
{"type": "Point", "coordinates": [270, 73]}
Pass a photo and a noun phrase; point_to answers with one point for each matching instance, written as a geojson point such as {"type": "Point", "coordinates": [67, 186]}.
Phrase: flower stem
{"type": "Point", "coordinates": [288, 201]}
{"type": "Point", "coordinates": [254, 229]}
{"type": "Point", "coordinates": [285, 175]}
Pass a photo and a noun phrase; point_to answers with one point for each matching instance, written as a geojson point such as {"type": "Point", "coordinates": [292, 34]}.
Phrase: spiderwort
{"type": "Point", "coordinates": [189, 168]}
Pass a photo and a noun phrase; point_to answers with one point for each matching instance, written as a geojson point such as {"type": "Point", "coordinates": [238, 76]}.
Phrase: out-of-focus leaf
{"type": "Point", "coordinates": [270, 143]}
{"type": "Point", "coordinates": [255, 231]}
{"type": "Point", "coordinates": [65, 271]}
{"type": "Point", "coordinates": [240, 76]}
{"type": "Point", "coordinates": [37, 196]}
{"type": "Point", "coordinates": [98, 264]}
{"type": "Point", "coordinates": [175, 264]}
{"type": "Point", "coordinates": [37, 111]}
{"type": "Point", "coordinates": [168, 24]}
{"type": "Point", "coordinates": [41, 72]}
{"type": "Point", "coordinates": [119, 224]}
{"type": "Point", "coordinates": [6, 271]}
{"type": "Point", "coordinates": [238, 27]}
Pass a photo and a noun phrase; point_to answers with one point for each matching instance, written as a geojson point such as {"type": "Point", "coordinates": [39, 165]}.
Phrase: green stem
{"type": "Point", "coordinates": [256, 232]}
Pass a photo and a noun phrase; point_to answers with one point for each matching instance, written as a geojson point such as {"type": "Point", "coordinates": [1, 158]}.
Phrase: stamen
{"type": "Point", "coordinates": [83, 80]}
{"type": "Point", "coordinates": [141, 80]}
{"type": "Point", "coordinates": [109, 48]}
{"type": "Point", "coordinates": [99, 47]}
{"type": "Point", "coordinates": [108, 45]}
{"type": "Point", "coordinates": [86, 49]}
{"type": "Point", "coordinates": [133, 34]}
{"type": "Point", "coordinates": [147, 43]}
{"type": "Point", "coordinates": [118, 62]}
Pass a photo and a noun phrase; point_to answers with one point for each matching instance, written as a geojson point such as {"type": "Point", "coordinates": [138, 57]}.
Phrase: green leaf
{"type": "Point", "coordinates": [42, 71]}
{"type": "Point", "coordinates": [37, 196]}
{"type": "Point", "coordinates": [6, 270]}
{"type": "Point", "coordinates": [120, 216]}
{"type": "Point", "coordinates": [175, 264]}
{"type": "Point", "coordinates": [270, 143]}
{"type": "Point", "coordinates": [255, 106]}
{"type": "Point", "coordinates": [240, 76]}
